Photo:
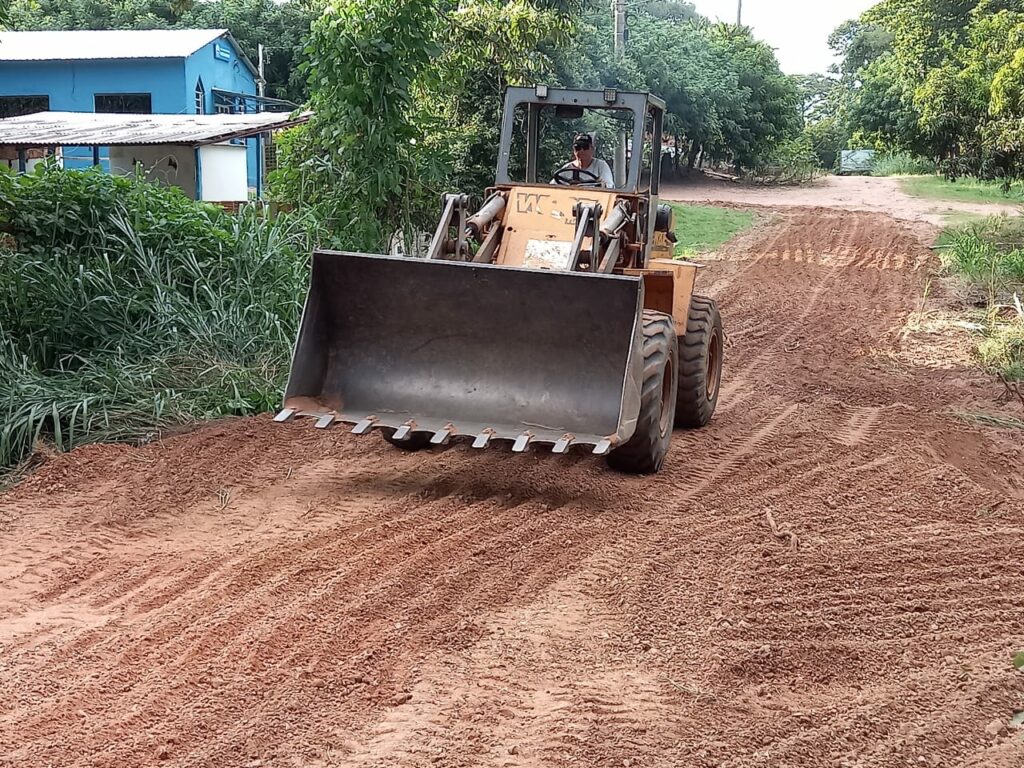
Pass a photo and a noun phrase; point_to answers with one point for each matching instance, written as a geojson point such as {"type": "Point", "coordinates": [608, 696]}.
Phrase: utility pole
{"type": "Point", "coordinates": [739, 13]}
{"type": "Point", "coordinates": [619, 17]}
{"type": "Point", "coordinates": [260, 85]}
{"type": "Point", "coordinates": [263, 141]}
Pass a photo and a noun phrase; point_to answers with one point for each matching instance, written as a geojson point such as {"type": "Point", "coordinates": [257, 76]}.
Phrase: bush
{"type": "Point", "coordinates": [126, 307]}
{"type": "Point", "coordinates": [902, 164]}
{"type": "Point", "coordinates": [827, 139]}
{"type": "Point", "coordinates": [989, 255]}
{"type": "Point", "coordinates": [1002, 352]}
{"type": "Point", "coordinates": [792, 162]}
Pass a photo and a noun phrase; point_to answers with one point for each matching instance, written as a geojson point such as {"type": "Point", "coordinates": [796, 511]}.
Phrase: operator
{"type": "Point", "coordinates": [585, 169]}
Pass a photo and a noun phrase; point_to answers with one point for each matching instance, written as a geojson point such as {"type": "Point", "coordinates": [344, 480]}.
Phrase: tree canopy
{"type": "Point", "coordinates": [941, 78]}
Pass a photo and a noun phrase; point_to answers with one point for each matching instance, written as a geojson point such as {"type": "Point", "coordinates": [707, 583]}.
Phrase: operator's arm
{"type": "Point", "coordinates": [605, 172]}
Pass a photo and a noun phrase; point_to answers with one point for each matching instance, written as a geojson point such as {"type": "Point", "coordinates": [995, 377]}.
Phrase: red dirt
{"type": "Point", "coordinates": [829, 575]}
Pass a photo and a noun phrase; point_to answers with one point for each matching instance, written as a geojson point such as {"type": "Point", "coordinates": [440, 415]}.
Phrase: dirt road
{"type": "Point", "coordinates": [830, 575]}
{"type": "Point", "coordinates": [869, 194]}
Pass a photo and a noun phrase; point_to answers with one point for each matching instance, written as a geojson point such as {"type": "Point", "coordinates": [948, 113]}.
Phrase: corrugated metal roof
{"type": "Point", "coordinates": [80, 45]}
{"type": "Point", "coordinates": [83, 129]}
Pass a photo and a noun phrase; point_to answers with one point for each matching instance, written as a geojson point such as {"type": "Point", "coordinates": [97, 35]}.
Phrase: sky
{"type": "Point", "coordinates": [797, 29]}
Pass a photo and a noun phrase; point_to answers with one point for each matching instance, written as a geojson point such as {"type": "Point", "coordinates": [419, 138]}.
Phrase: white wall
{"type": "Point", "coordinates": [225, 174]}
{"type": "Point", "coordinates": [33, 157]}
{"type": "Point", "coordinates": [171, 165]}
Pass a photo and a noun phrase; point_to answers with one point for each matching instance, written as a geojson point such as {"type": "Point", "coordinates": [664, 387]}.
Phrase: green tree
{"type": "Point", "coordinates": [770, 105]}
{"type": "Point", "coordinates": [486, 46]}
{"type": "Point", "coordinates": [937, 77]}
{"type": "Point", "coordinates": [859, 43]}
{"type": "Point", "coordinates": [367, 58]}
{"type": "Point", "coordinates": [815, 93]}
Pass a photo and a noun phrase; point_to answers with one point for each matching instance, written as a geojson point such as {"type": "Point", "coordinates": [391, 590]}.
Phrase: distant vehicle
{"type": "Point", "coordinates": [856, 161]}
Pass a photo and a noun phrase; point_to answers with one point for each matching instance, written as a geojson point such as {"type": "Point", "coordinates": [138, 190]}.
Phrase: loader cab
{"type": "Point", "coordinates": [539, 124]}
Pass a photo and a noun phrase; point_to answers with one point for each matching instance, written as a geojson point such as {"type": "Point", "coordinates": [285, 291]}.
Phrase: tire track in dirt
{"type": "Point", "coordinates": [262, 594]}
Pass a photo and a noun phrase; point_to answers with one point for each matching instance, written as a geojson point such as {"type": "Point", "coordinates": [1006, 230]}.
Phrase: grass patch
{"type": "Point", "coordinates": [701, 229]}
{"type": "Point", "coordinates": [989, 258]}
{"type": "Point", "coordinates": [1002, 351]}
{"type": "Point", "coordinates": [989, 254]}
{"type": "Point", "coordinates": [964, 191]}
{"type": "Point", "coordinates": [988, 420]}
{"type": "Point", "coordinates": [957, 219]}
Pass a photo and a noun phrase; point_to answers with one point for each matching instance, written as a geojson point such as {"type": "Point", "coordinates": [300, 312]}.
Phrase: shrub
{"type": "Point", "coordinates": [792, 162]}
{"type": "Point", "coordinates": [1002, 352]}
{"type": "Point", "coordinates": [989, 255]}
{"type": "Point", "coordinates": [902, 164]}
{"type": "Point", "coordinates": [125, 307]}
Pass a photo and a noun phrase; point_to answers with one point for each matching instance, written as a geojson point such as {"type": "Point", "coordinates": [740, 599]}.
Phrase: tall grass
{"type": "Point", "coordinates": [988, 254]}
{"type": "Point", "coordinates": [902, 164]}
{"type": "Point", "coordinates": [1002, 351]}
{"type": "Point", "coordinates": [990, 257]}
{"type": "Point", "coordinates": [126, 308]}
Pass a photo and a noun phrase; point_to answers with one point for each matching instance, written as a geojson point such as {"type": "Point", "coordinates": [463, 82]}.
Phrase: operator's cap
{"type": "Point", "coordinates": [582, 141]}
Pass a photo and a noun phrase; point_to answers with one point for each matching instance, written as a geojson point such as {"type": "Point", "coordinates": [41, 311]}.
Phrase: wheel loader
{"type": "Point", "coordinates": [552, 317]}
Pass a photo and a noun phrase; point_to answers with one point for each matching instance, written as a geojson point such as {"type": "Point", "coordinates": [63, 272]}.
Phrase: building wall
{"type": "Point", "coordinates": [72, 85]}
{"type": "Point", "coordinates": [230, 74]}
{"type": "Point", "coordinates": [218, 65]}
{"type": "Point", "coordinates": [173, 166]}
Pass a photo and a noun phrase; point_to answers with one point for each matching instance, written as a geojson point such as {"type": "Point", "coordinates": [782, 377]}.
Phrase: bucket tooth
{"type": "Point", "coordinates": [286, 414]}
{"type": "Point", "coordinates": [402, 433]}
{"type": "Point", "coordinates": [603, 448]}
{"type": "Point", "coordinates": [364, 426]}
{"type": "Point", "coordinates": [443, 435]}
{"type": "Point", "coordinates": [325, 421]}
{"type": "Point", "coordinates": [562, 446]}
{"type": "Point", "coordinates": [483, 439]}
{"type": "Point", "coordinates": [522, 442]}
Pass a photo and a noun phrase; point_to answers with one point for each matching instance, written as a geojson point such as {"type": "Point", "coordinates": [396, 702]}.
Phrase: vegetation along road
{"type": "Point", "coordinates": [829, 575]}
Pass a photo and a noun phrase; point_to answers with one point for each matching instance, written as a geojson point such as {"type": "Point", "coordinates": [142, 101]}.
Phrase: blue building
{"type": "Point", "coordinates": [188, 71]}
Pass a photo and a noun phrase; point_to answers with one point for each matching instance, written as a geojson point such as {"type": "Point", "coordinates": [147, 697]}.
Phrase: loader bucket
{"type": "Point", "coordinates": [456, 349]}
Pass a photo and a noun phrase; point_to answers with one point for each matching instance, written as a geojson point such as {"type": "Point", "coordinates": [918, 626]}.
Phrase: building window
{"type": "Point", "coordinates": [15, 106]}
{"type": "Point", "coordinates": [200, 98]}
{"type": "Point", "coordinates": [132, 103]}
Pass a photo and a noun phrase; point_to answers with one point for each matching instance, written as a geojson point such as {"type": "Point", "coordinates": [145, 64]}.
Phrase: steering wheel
{"type": "Point", "coordinates": [571, 176]}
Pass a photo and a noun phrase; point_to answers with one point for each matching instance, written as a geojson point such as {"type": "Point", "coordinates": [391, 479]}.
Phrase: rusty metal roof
{"type": "Point", "coordinates": [84, 129]}
{"type": "Point", "coordinates": [79, 45]}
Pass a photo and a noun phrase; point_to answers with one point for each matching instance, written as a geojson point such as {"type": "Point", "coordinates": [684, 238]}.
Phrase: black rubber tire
{"type": "Point", "coordinates": [417, 441]}
{"type": "Point", "coordinates": [645, 452]}
{"type": "Point", "coordinates": [700, 364]}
